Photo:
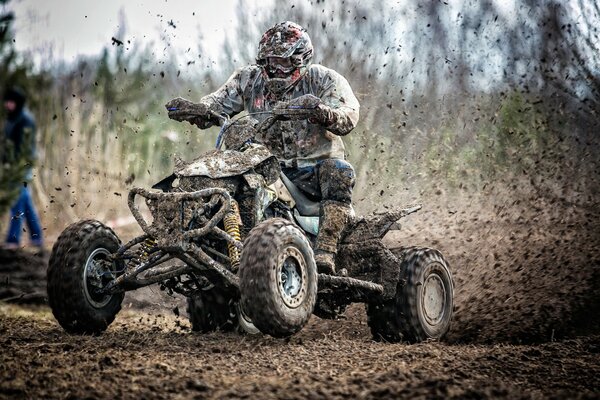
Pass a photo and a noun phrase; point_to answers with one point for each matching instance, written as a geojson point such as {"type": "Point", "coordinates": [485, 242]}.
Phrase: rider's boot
{"type": "Point", "coordinates": [333, 219]}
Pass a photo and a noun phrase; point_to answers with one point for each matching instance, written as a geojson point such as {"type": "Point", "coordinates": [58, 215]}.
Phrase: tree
{"type": "Point", "coordinates": [13, 169]}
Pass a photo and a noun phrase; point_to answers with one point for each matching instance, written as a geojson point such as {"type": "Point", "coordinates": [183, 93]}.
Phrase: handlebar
{"type": "Point", "coordinates": [299, 108]}
{"type": "Point", "coordinates": [262, 125]}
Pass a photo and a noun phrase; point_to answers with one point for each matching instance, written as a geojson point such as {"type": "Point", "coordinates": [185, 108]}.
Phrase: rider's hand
{"type": "Point", "coordinates": [303, 107]}
{"type": "Point", "coordinates": [184, 110]}
{"type": "Point", "coordinates": [322, 115]}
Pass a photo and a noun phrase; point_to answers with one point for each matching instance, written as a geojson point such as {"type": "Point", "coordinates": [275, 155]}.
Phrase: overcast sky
{"type": "Point", "coordinates": [74, 27]}
{"type": "Point", "coordinates": [64, 29]}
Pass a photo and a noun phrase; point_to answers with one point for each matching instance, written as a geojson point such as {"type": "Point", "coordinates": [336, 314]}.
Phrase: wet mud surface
{"type": "Point", "coordinates": [526, 325]}
{"type": "Point", "coordinates": [22, 276]}
{"type": "Point", "coordinates": [155, 356]}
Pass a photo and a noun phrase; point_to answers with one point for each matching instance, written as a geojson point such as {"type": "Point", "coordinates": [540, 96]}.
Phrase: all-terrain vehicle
{"type": "Point", "coordinates": [234, 235]}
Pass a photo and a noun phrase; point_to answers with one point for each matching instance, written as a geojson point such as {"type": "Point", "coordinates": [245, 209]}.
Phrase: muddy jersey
{"type": "Point", "coordinates": [296, 143]}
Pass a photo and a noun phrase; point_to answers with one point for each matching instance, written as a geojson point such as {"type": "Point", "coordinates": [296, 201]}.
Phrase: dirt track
{"type": "Point", "coordinates": [524, 275]}
{"type": "Point", "coordinates": [145, 356]}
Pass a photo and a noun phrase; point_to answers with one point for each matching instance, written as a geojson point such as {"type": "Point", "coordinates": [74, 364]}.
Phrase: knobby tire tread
{"type": "Point", "coordinates": [208, 313]}
{"type": "Point", "coordinates": [397, 319]}
{"type": "Point", "coordinates": [258, 258]}
{"type": "Point", "coordinates": [64, 279]}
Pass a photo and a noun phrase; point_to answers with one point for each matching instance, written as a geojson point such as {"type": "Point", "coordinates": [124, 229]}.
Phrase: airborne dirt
{"type": "Point", "coordinates": [526, 325]}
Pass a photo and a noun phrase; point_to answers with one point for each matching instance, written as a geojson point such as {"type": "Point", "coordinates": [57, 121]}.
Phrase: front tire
{"type": "Point", "coordinates": [422, 307]}
{"type": "Point", "coordinates": [278, 278]}
{"type": "Point", "coordinates": [80, 265]}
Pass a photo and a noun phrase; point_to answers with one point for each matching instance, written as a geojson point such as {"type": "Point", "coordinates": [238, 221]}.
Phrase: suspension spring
{"type": "Point", "coordinates": [232, 222]}
{"type": "Point", "coordinates": [144, 251]}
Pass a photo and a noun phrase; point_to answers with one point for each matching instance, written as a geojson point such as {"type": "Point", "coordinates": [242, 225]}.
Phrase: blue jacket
{"type": "Point", "coordinates": [20, 130]}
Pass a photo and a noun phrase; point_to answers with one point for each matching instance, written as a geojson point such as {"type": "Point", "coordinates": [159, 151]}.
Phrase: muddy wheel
{"type": "Point", "coordinates": [422, 308]}
{"type": "Point", "coordinates": [211, 311]}
{"type": "Point", "coordinates": [278, 278]}
{"type": "Point", "coordinates": [80, 266]}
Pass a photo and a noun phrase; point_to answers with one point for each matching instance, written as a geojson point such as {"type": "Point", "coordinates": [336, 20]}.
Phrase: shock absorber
{"type": "Point", "coordinates": [144, 251]}
{"type": "Point", "coordinates": [147, 247]}
{"type": "Point", "coordinates": [232, 222]}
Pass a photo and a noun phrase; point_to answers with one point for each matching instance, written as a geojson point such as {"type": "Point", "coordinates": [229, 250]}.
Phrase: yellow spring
{"type": "Point", "coordinates": [144, 251]}
{"type": "Point", "coordinates": [232, 222]}
{"type": "Point", "coordinates": [147, 246]}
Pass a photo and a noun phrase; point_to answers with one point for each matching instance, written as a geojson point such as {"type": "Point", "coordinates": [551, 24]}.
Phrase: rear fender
{"type": "Point", "coordinates": [165, 184]}
{"type": "Point", "coordinates": [376, 226]}
{"type": "Point", "coordinates": [371, 260]}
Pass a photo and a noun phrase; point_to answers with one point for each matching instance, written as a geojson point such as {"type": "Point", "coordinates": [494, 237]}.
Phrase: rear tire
{"type": "Point", "coordinates": [80, 264]}
{"type": "Point", "coordinates": [278, 278]}
{"type": "Point", "coordinates": [422, 307]}
{"type": "Point", "coordinates": [211, 311]}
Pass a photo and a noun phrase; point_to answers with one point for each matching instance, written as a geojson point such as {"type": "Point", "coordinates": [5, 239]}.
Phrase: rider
{"type": "Point", "coordinates": [310, 150]}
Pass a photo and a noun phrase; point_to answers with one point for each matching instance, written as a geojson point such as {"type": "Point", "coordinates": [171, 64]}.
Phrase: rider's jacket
{"type": "Point", "coordinates": [296, 143]}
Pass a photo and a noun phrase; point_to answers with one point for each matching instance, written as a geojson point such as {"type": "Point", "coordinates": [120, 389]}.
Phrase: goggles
{"type": "Point", "coordinates": [280, 64]}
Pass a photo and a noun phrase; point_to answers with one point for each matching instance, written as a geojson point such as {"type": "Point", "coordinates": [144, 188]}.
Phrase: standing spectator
{"type": "Point", "coordinates": [19, 136]}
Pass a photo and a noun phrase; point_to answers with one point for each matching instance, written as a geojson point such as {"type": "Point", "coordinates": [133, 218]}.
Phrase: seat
{"type": "Point", "coordinates": [305, 206]}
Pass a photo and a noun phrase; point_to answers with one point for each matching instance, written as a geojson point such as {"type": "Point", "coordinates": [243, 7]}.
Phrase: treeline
{"type": "Point", "coordinates": [460, 95]}
{"type": "Point", "coordinates": [101, 126]}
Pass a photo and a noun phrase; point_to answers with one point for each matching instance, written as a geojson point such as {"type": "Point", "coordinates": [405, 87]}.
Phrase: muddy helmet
{"type": "Point", "coordinates": [284, 53]}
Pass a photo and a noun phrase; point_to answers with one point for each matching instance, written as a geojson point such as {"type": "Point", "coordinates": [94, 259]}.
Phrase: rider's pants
{"type": "Point", "coordinates": [329, 179]}
{"type": "Point", "coordinates": [330, 182]}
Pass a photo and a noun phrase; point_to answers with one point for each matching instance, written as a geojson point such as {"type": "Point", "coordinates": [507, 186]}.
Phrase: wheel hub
{"type": "Point", "coordinates": [96, 274]}
{"type": "Point", "coordinates": [291, 277]}
{"type": "Point", "coordinates": [433, 299]}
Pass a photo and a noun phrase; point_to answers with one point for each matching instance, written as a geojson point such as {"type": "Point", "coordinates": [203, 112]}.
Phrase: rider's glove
{"type": "Point", "coordinates": [184, 110]}
{"type": "Point", "coordinates": [306, 107]}
{"type": "Point", "coordinates": [323, 115]}
{"type": "Point", "coordinates": [302, 107]}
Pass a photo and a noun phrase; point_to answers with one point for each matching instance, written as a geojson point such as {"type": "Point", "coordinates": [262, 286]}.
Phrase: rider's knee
{"type": "Point", "coordinates": [336, 178]}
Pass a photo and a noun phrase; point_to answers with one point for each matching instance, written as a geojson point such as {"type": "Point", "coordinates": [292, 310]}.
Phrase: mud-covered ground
{"type": "Point", "coordinates": [526, 325]}
{"type": "Point", "coordinates": [155, 356]}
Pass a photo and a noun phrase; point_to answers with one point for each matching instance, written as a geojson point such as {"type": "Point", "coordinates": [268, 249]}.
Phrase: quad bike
{"type": "Point", "coordinates": [234, 235]}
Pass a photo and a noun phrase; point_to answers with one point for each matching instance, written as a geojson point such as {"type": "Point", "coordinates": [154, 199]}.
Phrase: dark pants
{"type": "Point", "coordinates": [24, 210]}
{"type": "Point", "coordinates": [329, 180]}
